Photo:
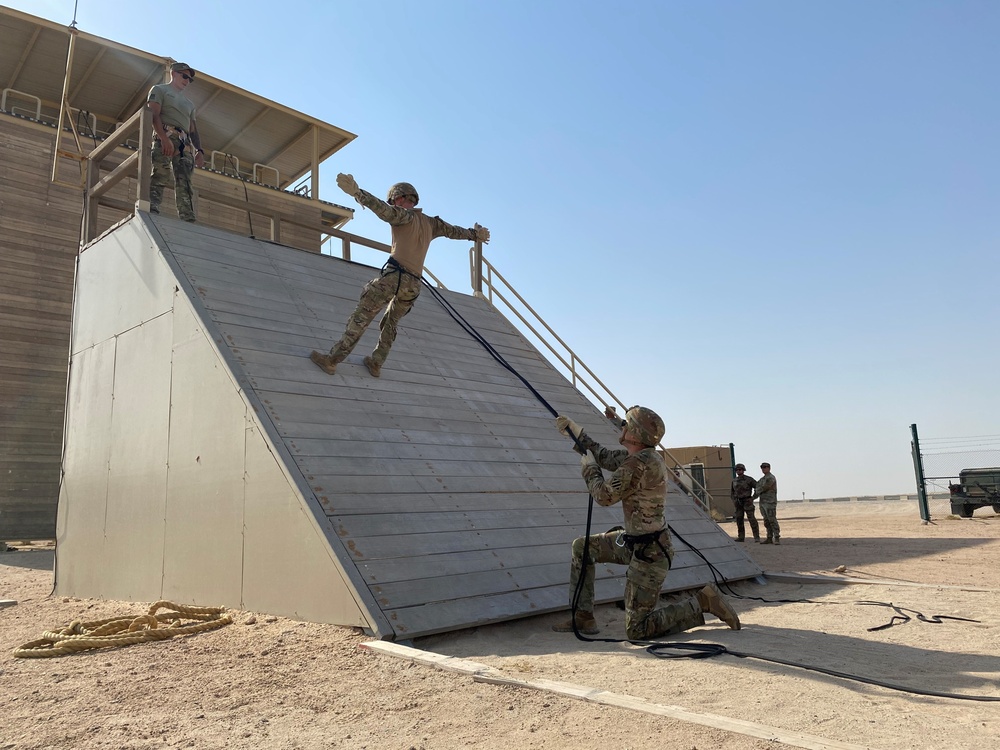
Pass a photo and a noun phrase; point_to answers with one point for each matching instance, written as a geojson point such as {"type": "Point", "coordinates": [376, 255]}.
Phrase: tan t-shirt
{"type": "Point", "coordinates": [175, 108]}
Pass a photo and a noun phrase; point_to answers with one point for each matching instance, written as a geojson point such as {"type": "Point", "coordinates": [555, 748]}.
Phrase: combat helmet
{"type": "Point", "coordinates": [645, 424]}
{"type": "Point", "coordinates": [403, 188]}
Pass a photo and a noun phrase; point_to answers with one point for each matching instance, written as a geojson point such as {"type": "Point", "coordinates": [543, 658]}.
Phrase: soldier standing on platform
{"type": "Point", "coordinates": [176, 143]}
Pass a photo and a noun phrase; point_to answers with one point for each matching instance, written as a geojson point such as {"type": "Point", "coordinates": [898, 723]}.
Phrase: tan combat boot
{"type": "Point", "coordinates": [710, 599]}
{"type": "Point", "coordinates": [324, 362]}
{"type": "Point", "coordinates": [328, 362]}
{"type": "Point", "coordinates": [373, 367]}
{"type": "Point", "coordinates": [585, 623]}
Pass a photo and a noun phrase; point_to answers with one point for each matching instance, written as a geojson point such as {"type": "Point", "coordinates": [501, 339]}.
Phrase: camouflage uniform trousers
{"type": "Point", "coordinates": [744, 506]}
{"type": "Point", "coordinates": [182, 165]}
{"type": "Point", "coordinates": [642, 586]}
{"type": "Point", "coordinates": [395, 288]}
{"type": "Point", "coordinates": [769, 512]}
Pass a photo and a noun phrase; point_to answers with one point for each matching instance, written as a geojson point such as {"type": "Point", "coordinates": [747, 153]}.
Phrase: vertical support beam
{"type": "Point", "coordinates": [918, 469]}
{"type": "Point", "coordinates": [145, 159]}
{"type": "Point", "coordinates": [275, 227]}
{"type": "Point", "coordinates": [63, 103]}
{"type": "Point", "coordinates": [315, 164]}
{"type": "Point", "coordinates": [91, 177]}
{"type": "Point", "coordinates": [346, 248]}
{"type": "Point", "coordinates": [477, 267]}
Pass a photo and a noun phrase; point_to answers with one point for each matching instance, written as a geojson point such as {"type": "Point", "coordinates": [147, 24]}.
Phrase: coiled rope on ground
{"type": "Point", "coordinates": [124, 631]}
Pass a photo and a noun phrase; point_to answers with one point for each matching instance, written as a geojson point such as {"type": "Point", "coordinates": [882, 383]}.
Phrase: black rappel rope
{"type": "Point", "coordinates": [661, 649]}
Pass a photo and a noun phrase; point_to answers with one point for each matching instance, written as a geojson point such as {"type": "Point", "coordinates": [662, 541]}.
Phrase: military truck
{"type": "Point", "coordinates": [976, 488]}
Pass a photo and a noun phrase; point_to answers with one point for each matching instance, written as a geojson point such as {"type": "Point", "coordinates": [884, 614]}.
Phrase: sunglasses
{"type": "Point", "coordinates": [186, 77]}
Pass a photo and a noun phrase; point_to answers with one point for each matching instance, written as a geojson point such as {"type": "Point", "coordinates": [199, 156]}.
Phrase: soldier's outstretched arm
{"type": "Point", "coordinates": [443, 229]}
{"type": "Point", "coordinates": [389, 214]}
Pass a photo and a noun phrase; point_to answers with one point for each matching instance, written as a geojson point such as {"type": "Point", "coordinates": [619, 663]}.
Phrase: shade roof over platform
{"type": "Point", "coordinates": [110, 81]}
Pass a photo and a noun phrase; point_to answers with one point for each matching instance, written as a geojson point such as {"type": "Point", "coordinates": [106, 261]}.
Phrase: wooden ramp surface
{"type": "Point", "coordinates": [443, 482]}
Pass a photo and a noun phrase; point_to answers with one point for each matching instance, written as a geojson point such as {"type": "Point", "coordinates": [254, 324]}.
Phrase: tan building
{"type": "Point", "coordinates": [62, 94]}
{"type": "Point", "coordinates": [708, 476]}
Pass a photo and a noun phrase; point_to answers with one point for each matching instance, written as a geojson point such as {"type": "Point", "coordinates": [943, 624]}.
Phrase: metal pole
{"type": "Point", "coordinates": [63, 103]}
{"type": "Point", "coordinates": [732, 463]}
{"type": "Point", "coordinates": [918, 469]}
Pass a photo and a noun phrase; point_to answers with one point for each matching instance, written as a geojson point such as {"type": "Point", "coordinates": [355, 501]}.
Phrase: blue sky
{"type": "Point", "coordinates": [774, 222]}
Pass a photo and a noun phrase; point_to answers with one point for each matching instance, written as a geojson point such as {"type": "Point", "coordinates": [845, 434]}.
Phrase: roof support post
{"type": "Point", "coordinates": [315, 164]}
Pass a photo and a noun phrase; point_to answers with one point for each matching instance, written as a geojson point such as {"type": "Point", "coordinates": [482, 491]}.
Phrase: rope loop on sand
{"type": "Point", "coordinates": [124, 631]}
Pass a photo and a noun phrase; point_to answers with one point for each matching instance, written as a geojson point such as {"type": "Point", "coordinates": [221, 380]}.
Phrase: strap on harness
{"type": "Point", "coordinates": [643, 540]}
{"type": "Point", "coordinates": [182, 136]}
{"type": "Point", "coordinates": [397, 267]}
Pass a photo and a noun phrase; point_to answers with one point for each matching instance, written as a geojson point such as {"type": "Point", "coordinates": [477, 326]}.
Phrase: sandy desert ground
{"type": "Point", "coordinates": [266, 682]}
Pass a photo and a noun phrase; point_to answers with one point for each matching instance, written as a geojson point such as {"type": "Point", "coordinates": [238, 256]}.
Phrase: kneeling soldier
{"type": "Point", "coordinates": [638, 482]}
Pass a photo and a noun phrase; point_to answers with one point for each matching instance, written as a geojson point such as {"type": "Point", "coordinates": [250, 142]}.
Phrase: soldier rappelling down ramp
{"type": "Point", "coordinates": [398, 285]}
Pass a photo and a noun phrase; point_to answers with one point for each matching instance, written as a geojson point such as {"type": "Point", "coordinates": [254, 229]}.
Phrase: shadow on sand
{"type": "Point", "coordinates": [40, 559]}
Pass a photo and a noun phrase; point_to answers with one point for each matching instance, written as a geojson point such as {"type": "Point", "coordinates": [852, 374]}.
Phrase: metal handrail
{"type": "Point", "coordinates": [483, 273]}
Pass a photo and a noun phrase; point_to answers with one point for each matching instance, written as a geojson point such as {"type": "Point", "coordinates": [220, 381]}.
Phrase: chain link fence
{"type": "Point", "coordinates": [967, 468]}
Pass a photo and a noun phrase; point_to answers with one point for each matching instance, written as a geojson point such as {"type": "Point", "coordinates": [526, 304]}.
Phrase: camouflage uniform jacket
{"type": "Point", "coordinates": [742, 488]}
{"type": "Point", "coordinates": [638, 482]}
{"type": "Point", "coordinates": [767, 489]}
{"type": "Point", "coordinates": [412, 231]}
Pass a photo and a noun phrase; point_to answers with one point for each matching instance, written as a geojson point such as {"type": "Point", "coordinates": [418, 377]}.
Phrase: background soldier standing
{"type": "Point", "coordinates": [177, 145]}
{"type": "Point", "coordinates": [742, 494]}
{"type": "Point", "coordinates": [767, 491]}
{"type": "Point", "coordinates": [639, 483]}
{"type": "Point", "coordinates": [398, 285]}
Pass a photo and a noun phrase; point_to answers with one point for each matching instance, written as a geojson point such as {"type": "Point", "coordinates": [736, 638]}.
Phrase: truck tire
{"type": "Point", "coordinates": [963, 510]}
{"type": "Point", "coordinates": [996, 507]}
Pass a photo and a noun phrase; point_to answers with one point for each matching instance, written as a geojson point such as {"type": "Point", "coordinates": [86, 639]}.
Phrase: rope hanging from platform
{"type": "Point", "coordinates": [124, 631]}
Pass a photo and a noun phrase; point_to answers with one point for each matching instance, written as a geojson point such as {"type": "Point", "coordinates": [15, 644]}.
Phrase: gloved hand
{"type": "Point", "coordinates": [568, 427]}
{"type": "Point", "coordinates": [482, 233]}
{"type": "Point", "coordinates": [586, 461]}
{"type": "Point", "coordinates": [347, 183]}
